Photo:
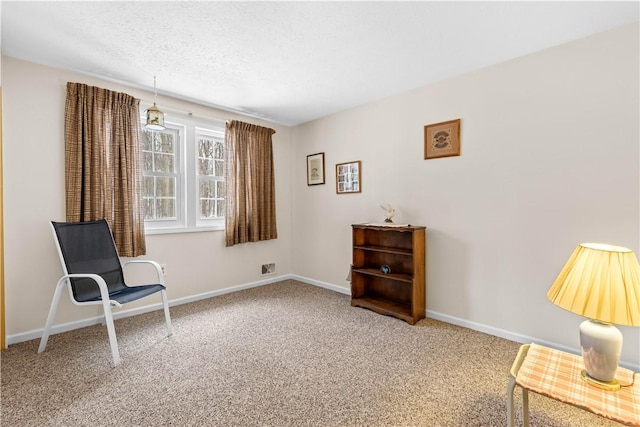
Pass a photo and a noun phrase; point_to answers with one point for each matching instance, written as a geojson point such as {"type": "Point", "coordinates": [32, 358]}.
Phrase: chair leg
{"type": "Point", "coordinates": [52, 315]}
{"type": "Point", "coordinates": [167, 317]}
{"type": "Point", "coordinates": [111, 330]}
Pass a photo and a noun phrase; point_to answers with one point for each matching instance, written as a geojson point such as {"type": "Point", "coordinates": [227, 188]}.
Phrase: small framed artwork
{"type": "Point", "coordinates": [315, 169]}
{"type": "Point", "coordinates": [348, 177]}
{"type": "Point", "coordinates": [442, 139]}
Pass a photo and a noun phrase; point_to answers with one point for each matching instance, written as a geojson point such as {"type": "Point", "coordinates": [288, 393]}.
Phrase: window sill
{"type": "Point", "coordinates": [181, 230]}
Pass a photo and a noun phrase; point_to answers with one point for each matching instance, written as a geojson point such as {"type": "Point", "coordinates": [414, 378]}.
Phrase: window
{"type": "Point", "coordinates": [183, 176]}
{"type": "Point", "coordinates": [210, 175]}
{"type": "Point", "coordinates": [161, 174]}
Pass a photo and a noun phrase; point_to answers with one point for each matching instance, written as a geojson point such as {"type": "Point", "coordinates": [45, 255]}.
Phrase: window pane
{"type": "Point", "coordinates": [219, 150]}
{"type": "Point", "coordinates": [207, 189]}
{"type": "Point", "coordinates": [147, 136]}
{"type": "Point", "coordinates": [163, 163]}
{"type": "Point", "coordinates": [207, 208]}
{"type": "Point", "coordinates": [219, 171]}
{"type": "Point", "coordinates": [164, 142]}
{"type": "Point", "coordinates": [148, 186]}
{"type": "Point", "coordinates": [205, 167]}
{"type": "Point", "coordinates": [165, 187]}
{"type": "Point", "coordinates": [220, 189]}
{"type": "Point", "coordinates": [165, 208]}
{"type": "Point", "coordinates": [205, 148]}
{"type": "Point", "coordinates": [220, 209]}
{"type": "Point", "coordinates": [148, 209]}
{"type": "Point", "coordinates": [147, 161]}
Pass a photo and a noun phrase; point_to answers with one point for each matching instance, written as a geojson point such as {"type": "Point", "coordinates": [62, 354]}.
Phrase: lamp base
{"type": "Point", "coordinates": [601, 345]}
{"type": "Point", "coordinates": [612, 385]}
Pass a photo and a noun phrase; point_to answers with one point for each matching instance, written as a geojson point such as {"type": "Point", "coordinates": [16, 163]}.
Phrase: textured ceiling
{"type": "Point", "coordinates": [291, 62]}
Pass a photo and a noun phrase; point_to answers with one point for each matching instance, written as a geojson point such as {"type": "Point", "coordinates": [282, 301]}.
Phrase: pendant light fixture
{"type": "Point", "coordinates": [155, 117]}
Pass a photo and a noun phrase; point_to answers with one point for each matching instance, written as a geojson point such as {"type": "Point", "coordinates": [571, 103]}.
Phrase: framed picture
{"type": "Point", "coordinates": [348, 177]}
{"type": "Point", "coordinates": [315, 169]}
{"type": "Point", "coordinates": [442, 139]}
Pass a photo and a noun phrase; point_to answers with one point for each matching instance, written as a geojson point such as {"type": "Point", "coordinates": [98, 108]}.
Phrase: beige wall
{"type": "Point", "coordinates": [550, 159]}
{"type": "Point", "coordinates": [197, 263]}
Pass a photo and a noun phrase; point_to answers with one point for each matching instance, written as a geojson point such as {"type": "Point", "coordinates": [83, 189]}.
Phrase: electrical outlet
{"type": "Point", "coordinates": [268, 268]}
{"type": "Point", "coordinates": [163, 267]}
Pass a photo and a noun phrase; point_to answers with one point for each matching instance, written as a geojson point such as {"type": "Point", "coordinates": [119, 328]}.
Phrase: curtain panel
{"type": "Point", "coordinates": [103, 174]}
{"type": "Point", "coordinates": [250, 185]}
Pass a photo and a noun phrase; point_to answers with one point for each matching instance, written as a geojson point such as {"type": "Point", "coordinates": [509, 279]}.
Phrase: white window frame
{"type": "Point", "coordinates": [189, 210]}
{"type": "Point", "coordinates": [179, 220]}
{"type": "Point", "coordinates": [215, 223]}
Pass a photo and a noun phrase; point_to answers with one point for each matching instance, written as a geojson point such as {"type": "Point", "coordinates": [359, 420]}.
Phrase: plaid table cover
{"type": "Point", "coordinates": [556, 374]}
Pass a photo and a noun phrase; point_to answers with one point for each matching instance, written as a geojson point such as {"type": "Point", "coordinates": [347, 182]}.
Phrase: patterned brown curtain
{"type": "Point", "coordinates": [102, 163]}
{"type": "Point", "coordinates": [250, 185]}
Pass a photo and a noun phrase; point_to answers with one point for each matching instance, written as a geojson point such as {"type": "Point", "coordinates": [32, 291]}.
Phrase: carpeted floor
{"type": "Point", "coordinates": [286, 354]}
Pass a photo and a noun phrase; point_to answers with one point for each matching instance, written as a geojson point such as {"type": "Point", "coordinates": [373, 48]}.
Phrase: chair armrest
{"type": "Point", "coordinates": [102, 285]}
{"type": "Point", "coordinates": [157, 267]}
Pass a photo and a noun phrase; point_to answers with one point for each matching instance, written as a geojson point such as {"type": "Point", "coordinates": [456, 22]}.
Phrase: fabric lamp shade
{"type": "Point", "coordinates": [600, 282]}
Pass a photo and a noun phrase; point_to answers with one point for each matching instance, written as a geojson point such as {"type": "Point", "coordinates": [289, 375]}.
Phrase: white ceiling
{"type": "Point", "coordinates": [291, 62]}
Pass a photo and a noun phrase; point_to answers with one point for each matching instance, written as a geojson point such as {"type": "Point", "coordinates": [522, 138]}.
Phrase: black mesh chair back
{"type": "Point", "coordinates": [88, 247]}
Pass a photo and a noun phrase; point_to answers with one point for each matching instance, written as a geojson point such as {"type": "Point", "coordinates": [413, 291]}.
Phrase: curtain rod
{"type": "Point", "coordinates": [241, 113]}
{"type": "Point", "coordinates": [183, 99]}
{"type": "Point", "coordinates": [172, 110]}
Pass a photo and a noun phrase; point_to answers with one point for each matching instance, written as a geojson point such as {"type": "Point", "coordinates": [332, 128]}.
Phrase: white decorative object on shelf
{"type": "Point", "coordinates": [389, 213]}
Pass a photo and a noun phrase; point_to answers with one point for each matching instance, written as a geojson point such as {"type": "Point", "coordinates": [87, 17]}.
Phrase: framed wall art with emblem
{"type": "Point", "coordinates": [442, 139]}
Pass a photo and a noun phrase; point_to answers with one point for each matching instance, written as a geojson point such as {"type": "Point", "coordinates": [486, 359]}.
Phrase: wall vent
{"type": "Point", "coordinates": [268, 268]}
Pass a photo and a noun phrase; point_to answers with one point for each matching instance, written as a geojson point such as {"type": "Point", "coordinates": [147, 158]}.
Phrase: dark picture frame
{"type": "Point", "coordinates": [442, 139]}
{"type": "Point", "coordinates": [315, 169]}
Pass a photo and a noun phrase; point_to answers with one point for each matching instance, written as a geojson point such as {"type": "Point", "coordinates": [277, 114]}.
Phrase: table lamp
{"type": "Point", "coordinates": [600, 282]}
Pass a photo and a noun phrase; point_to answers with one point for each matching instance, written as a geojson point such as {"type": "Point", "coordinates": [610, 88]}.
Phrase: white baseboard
{"type": "Point", "coordinates": [65, 327]}
{"type": "Point", "coordinates": [330, 286]}
{"type": "Point", "coordinates": [512, 336]}
{"type": "Point", "coordinates": [193, 298]}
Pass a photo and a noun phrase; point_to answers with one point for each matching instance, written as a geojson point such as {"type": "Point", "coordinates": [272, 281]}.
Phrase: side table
{"type": "Point", "coordinates": [556, 374]}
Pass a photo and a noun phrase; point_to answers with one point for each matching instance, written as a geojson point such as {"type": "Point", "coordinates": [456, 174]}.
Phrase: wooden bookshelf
{"type": "Point", "coordinates": [400, 292]}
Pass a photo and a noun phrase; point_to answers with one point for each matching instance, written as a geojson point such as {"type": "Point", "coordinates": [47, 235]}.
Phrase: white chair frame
{"type": "Point", "coordinates": [105, 301]}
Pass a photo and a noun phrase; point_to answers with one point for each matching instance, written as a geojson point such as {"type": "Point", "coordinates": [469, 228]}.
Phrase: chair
{"type": "Point", "coordinates": [94, 273]}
